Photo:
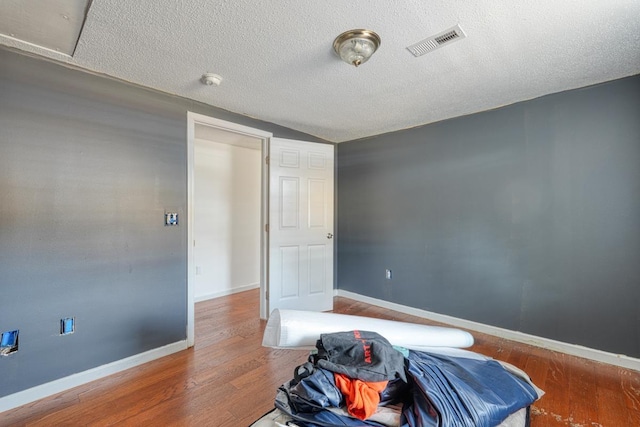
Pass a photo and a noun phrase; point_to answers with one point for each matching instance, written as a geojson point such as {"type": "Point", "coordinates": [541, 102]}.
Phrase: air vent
{"type": "Point", "coordinates": [434, 42]}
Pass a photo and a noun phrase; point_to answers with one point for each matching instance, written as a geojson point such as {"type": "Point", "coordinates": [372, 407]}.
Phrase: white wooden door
{"type": "Point", "coordinates": [300, 225]}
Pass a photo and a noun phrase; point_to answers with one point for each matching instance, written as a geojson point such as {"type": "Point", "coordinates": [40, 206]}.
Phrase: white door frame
{"type": "Point", "coordinates": [194, 119]}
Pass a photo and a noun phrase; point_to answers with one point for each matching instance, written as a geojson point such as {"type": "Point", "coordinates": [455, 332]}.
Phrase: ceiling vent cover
{"type": "Point", "coordinates": [434, 42]}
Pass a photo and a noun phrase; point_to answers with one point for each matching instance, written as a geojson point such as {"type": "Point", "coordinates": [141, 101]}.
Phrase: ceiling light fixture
{"type": "Point", "coordinates": [355, 47]}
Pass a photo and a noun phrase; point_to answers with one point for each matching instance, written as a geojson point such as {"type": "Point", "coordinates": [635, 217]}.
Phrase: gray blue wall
{"type": "Point", "coordinates": [88, 166]}
{"type": "Point", "coordinates": [526, 217]}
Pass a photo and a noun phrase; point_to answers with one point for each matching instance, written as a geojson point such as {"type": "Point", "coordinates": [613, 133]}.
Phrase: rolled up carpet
{"type": "Point", "coordinates": [301, 329]}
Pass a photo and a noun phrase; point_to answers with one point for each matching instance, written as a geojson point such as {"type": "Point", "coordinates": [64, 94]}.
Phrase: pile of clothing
{"type": "Point", "coordinates": [357, 378]}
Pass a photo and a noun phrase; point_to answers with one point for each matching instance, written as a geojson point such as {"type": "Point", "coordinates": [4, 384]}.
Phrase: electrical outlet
{"type": "Point", "coordinates": [9, 342]}
{"type": "Point", "coordinates": [67, 325]}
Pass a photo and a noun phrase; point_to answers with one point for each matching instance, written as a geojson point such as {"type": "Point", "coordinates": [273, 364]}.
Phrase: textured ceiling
{"type": "Point", "coordinates": [277, 63]}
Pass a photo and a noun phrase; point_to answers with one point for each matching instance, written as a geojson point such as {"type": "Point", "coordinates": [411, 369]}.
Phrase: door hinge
{"type": "Point", "coordinates": [266, 160]}
{"type": "Point", "coordinates": [266, 228]}
{"type": "Point", "coordinates": [266, 294]}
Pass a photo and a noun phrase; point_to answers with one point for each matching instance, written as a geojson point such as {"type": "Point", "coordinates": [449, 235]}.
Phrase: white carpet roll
{"type": "Point", "coordinates": [301, 329]}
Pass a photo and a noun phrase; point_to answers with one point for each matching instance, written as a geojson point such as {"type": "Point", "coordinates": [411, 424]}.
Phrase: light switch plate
{"type": "Point", "coordinates": [171, 218]}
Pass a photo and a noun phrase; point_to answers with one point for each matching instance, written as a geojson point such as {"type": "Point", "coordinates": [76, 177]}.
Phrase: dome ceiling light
{"type": "Point", "coordinates": [355, 47]}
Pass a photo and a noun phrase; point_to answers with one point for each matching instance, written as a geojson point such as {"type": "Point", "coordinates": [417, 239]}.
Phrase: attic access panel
{"type": "Point", "coordinates": [54, 25]}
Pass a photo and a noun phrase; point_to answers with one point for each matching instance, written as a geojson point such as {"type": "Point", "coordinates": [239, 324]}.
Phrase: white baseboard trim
{"type": "Point", "coordinates": [572, 349]}
{"type": "Point", "coordinates": [234, 290]}
{"type": "Point", "coordinates": [38, 392]}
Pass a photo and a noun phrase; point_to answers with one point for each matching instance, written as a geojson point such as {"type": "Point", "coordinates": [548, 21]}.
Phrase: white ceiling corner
{"type": "Point", "coordinates": [277, 63]}
{"type": "Point", "coordinates": [48, 25]}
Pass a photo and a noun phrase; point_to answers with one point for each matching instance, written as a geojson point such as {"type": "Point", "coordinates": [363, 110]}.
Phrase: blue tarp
{"type": "Point", "coordinates": [456, 391]}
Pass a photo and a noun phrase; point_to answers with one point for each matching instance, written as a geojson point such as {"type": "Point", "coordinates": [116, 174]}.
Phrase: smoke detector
{"type": "Point", "coordinates": [211, 79]}
{"type": "Point", "coordinates": [435, 42]}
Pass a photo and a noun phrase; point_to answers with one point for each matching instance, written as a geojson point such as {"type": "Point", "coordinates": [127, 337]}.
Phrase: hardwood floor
{"type": "Point", "coordinates": [228, 379]}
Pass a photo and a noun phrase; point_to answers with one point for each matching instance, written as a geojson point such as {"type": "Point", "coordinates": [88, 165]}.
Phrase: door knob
{"type": "Point", "coordinates": [329, 236]}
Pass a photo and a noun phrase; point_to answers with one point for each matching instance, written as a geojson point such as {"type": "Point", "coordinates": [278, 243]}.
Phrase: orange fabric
{"type": "Point", "coordinates": [362, 397]}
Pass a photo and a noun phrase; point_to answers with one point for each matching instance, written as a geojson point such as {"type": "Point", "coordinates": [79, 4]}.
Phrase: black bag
{"type": "Point", "coordinates": [363, 355]}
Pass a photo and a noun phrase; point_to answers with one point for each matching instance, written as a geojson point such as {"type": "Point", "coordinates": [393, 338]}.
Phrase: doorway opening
{"type": "Point", "coordinates": [220, 224]}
